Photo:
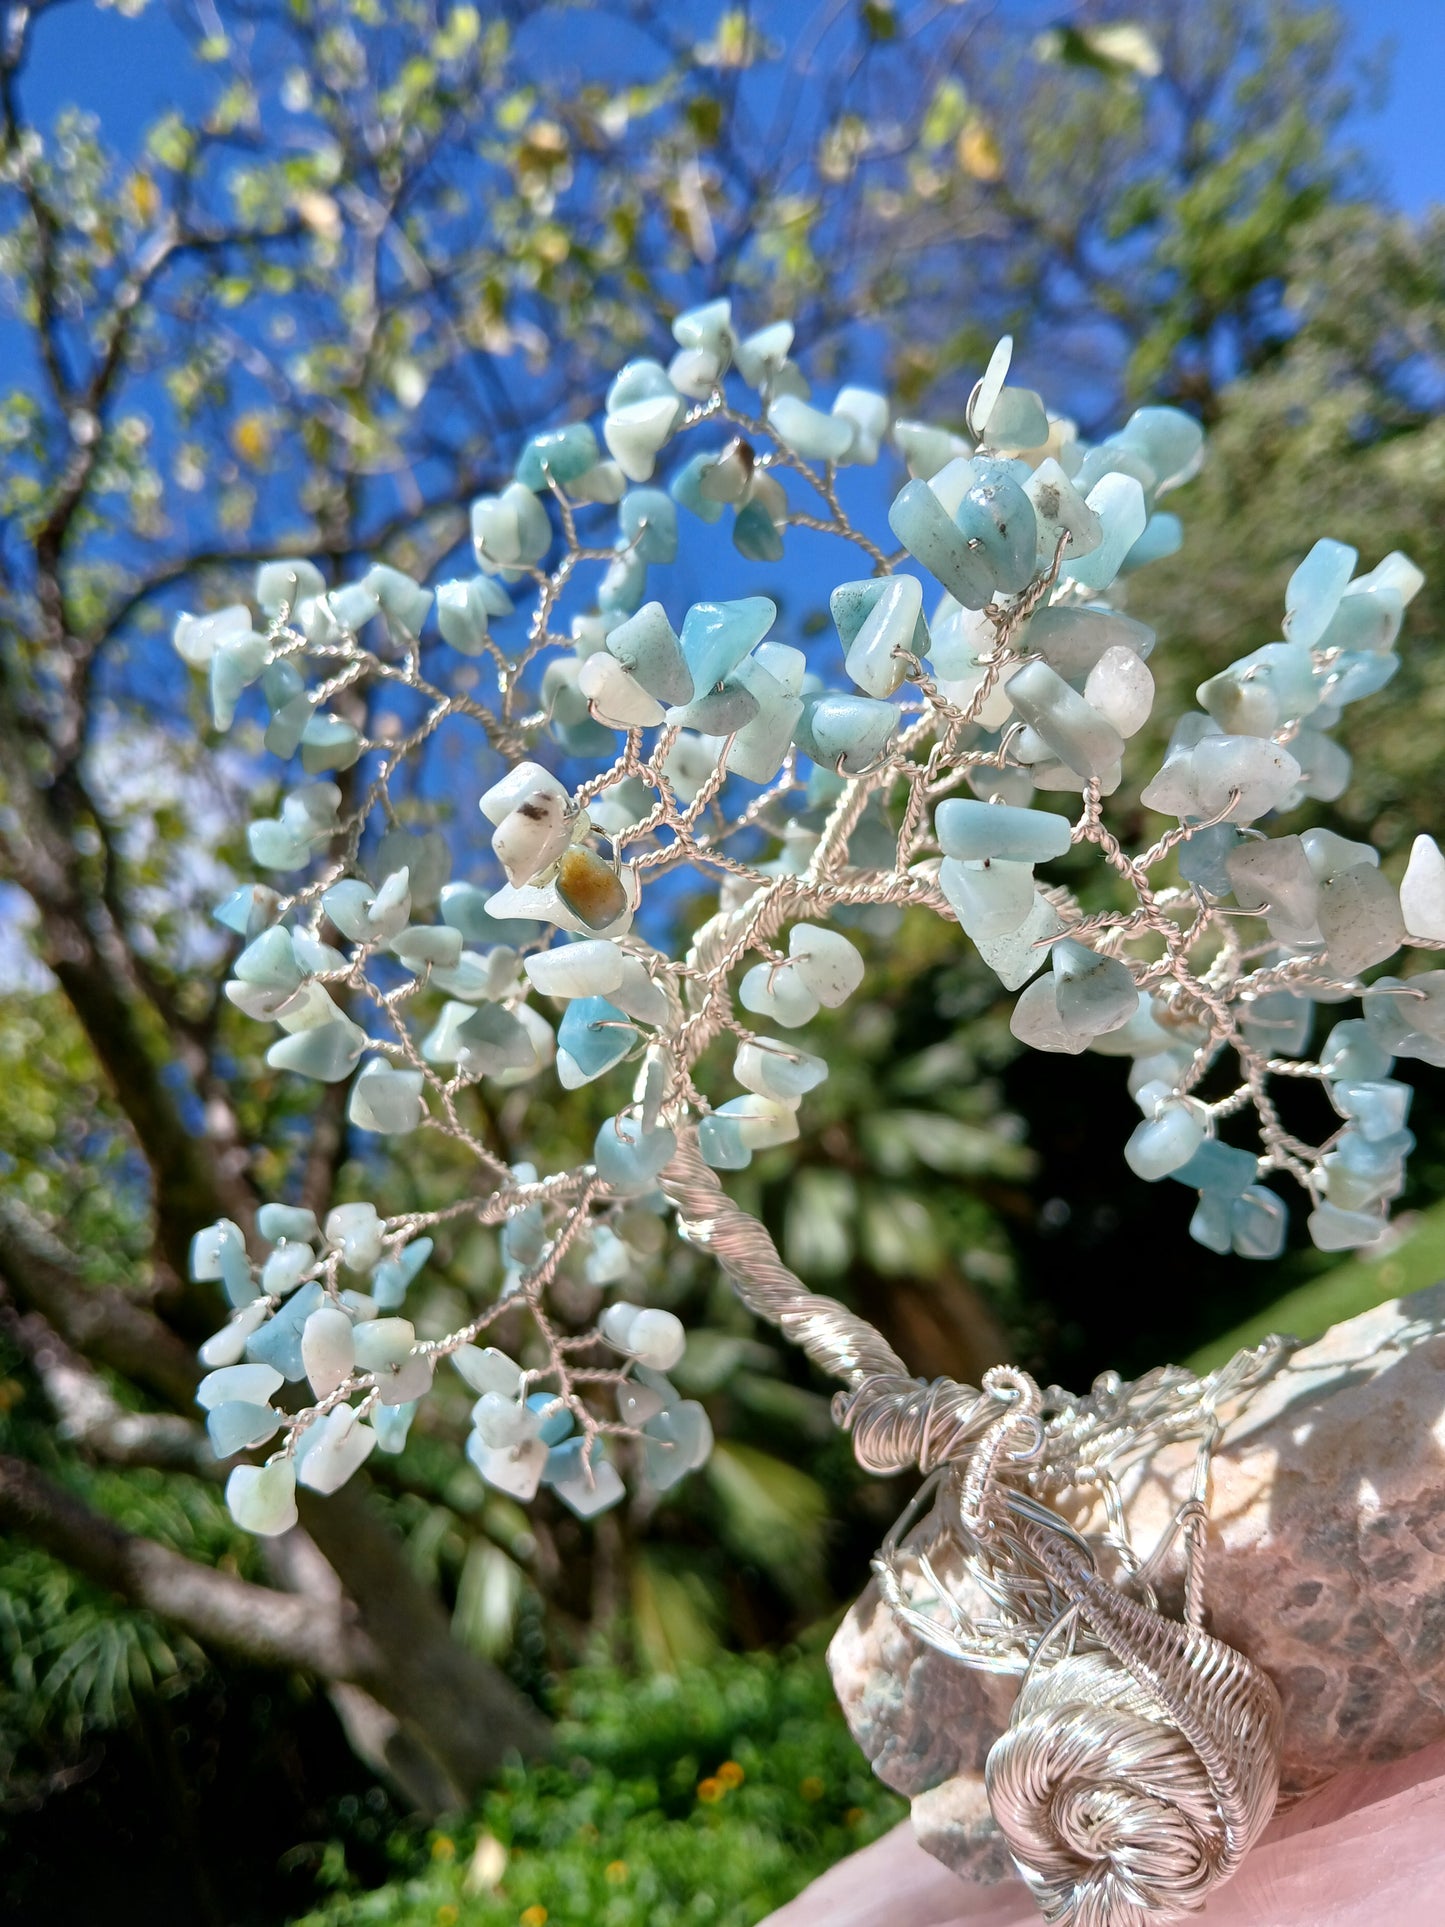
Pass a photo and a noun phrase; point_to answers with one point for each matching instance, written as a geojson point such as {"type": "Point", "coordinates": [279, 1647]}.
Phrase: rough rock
{"type": "Point", "coordinates": [1325, 1563]}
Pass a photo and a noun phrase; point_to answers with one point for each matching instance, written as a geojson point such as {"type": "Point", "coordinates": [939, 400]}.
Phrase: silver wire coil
{"type": "Point", "coordinates": [1141, 1761]}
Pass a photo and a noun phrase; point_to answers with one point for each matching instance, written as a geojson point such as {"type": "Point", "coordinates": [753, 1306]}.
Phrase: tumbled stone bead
{"type": "Point", "coordinates": [716, 636]}
{"type": "Point", "coordinates": [757, 534]}
{"type": "Point", "coordinates": [758, 749]}
{"type": "Point", "coordinates": [1332, 1229]}
{"type": "Point", "coordinates": [990, 384]}
{"type": "Point", "coordinates": [392, 1276]}
{"type": "Point", "coordinates": [808, 431]}
{"type": "Point", "coordinates": [237, 663]}
{"type": "Point", "coordinates": [1210, 1225]}
{"type": "Point", "coordinates": [1263, 690]}
{"type": "Point", "coordinates": [1170, 441]}
{"type": "Point", "coordinates": [1120, 688]}
{"type": "Point", "coordinates": [1072, 640]}
{"type": "Point", "coordinates": [1218, 1168]}
{"type": "Point", "coordinates": [874, 620]}
{"type": "Point", "coordinates": [293, 1222]}
{"type": "Point", "coordinates": [534, 835]}
{"type": "Point", "coordinates": [591, 889]}
{"type": "Point", "coordinates": [1059, 509]}
{"type": "Point", "coordinates": [1350, 1053]}
{"type": "Point", "coordinates": [628, 1157]}
{"type": "Point", "coordinates": [778, 991]}
{"type": "Point", "coordinates": [867, 412]}
{"type": "Point", "coordinates": [332, 1448]}
{"type": "Point", "coordinates": [329, 742]}
{"type": "Point", "coordinates": [648, 520]}
{"type": "Point", "coordinates": [927, 449]}
{"type": "Point", "coordinates": [387, 1099]}
{"type": "Point", "coordinates": [686, 488]}
{"type": "Point", "coordinates": [284, 1270]}
{"type": "Point", "coordinates": [1408, 1019]}
{"type": "Point", "coordinates": [1016, 420]}
{"type": "Point", "coordinates": [1422, 891]}
{"type": "Point", "coordinates": [1035, 1021]}
{"type": "Point", "coordinates": [616, 697]}
{"type": "Point", "coordinates": [1203, 859]}
{"type": "Point", "coordinates": [846, 733]}
{"type": "Point", "coordinates": [635, 432]}
{"type": "Point", "coordinates": [591, 968]}
{"type": "Point", "coordinates": [708, 326]}
{"type": "Point", "coordinates": [996, 519]}
{"type": "Point", "coordinates": [929, 534]}
{"type": "Point", "coordinates": [423, 944]}
{"type": "Point", "coordinates": [676, 1440]}
{"type": "Point", "coordinates": [1377, 1108]}
{"type": "Point", "coordinates": [604, 484]}
{"type": "Point", "coordinates": [1277, 1023]}
{"type": "Point", "coordinates": [1367, 619]}
{"type": "Point", "coordinates": [464, 611]}
{"type": "Point", "coordinates": [719, 711]}
{"type": "Point", "coordinates": [1359, 916]}
{"type": "Point", "coordinates": [270, 961]}
{"type": "Point", "coordinates": [774, 1069]}
{"type": "Point", "coordinates": [1258, 1223]}
{"type": "Point", "coordinates": [1015, 955]}
{"type": "Point", "coordinates": [1118, 501]}
{"type": "Point", "coordinates": [826, 961]}
{"type": "Point", "coordinates": [720, 1144]}
{"type": "Point", "coordinates": [278, 1341]}
{"type": "Point", "coordinates": [970, 829]}
{"type": "Point", "coordinates": [357, 1229]}
{"type": "Point", "coordinates": [1313, 592]}
{"type": "Point", "coordinates": [1163, 536]}
{"type": "Point", "coordinates": [516, 1470]}
{"type": "Point", "coordinates": [228, 1345]}
{"type": "Point", "coordinates": [248, 911]}
{"type": "Point", "coordinates": [592, 1037]}
{"type": "Point", "coordinates": [1328, 854]}
{"type": "Point", "coordinates": [423, 855]}
{"type": "Point", "coordinates": [488, 1370]}
{"type": "Point", "coordinates": [557, 455]}
{"type": "Point", "coordinates": [990, 898]}
{"type": "Point", "coordinates": [327, 1349]}
{"type": "Point", "coordinates": [1074, 732]}
{"type": "Point", "coordinates": [1094, 994]}
{"type": "Point", "coordinates": [1161, 1144]}
{"type": "Point", "coordinates": [329, 1052]}
{"type": "Point", "coordinates": [285, 582]}
{"type": "Point", "coordinates": [404, 601]}
{"type": "Point", "coordinates": [489, 1041]}
{"type": "Point", "coordinates": [585, 1488]}
{"type": "Point", "coordinates": [522, 780]}
{"type": "Point", "coordinates": [1274, 878]}
{"type": "Point", "coordinates": [464, 907]}
{"type": "Point", "coordinates": [248, 1385]}
{"type": "Point", "coordinates": [1357, 674]}
{"type": "Point", "coordinates": [262, 1498]}
{"type": "Point", "coordinates": [760, 356]}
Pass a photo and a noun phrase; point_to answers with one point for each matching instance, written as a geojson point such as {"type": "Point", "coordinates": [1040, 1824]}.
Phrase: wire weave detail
{"type": "Point", "coordinates": [1141, 1761]}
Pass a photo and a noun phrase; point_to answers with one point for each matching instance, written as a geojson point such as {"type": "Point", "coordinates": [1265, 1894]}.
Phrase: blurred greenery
{"type": "Point", "coordinates": [409, 230]}
{"type": "Point", "coordinates": [712, 1795]}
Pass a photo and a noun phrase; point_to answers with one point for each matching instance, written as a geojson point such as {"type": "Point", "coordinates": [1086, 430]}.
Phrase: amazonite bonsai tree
{"type": "Point", "coordinates": [959, 735]}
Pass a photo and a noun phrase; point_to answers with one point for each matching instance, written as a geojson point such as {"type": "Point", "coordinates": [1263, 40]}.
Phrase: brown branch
{"type": "Point", "coordinates": [231, 1615]}
{"type": "Point", "coordinates": [97, 1320]}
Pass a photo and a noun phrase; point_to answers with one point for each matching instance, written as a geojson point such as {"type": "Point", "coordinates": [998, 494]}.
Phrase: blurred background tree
{"type": "Point", "coordinates": [310, 308]}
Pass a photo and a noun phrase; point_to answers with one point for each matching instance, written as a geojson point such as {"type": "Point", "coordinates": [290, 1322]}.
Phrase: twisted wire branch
{"type": "Point", "coordinates": [1142, 1758]}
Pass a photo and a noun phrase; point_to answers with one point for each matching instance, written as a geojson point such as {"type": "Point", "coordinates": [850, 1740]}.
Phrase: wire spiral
{"type": "Point", "coordinates": [1142, 1758]}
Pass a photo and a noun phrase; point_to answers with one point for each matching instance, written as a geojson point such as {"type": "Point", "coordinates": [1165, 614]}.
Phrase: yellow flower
{"type": "Point", "coordinates": [447, 1915]}
{"type": "Point", "coordinates": [710, 1791]}
{"type": "Point", "coordinates": [731, 1774]}
{"type": "Point", "coordinates": [615, 1871]}
{"type": "Point", "coordinates": [443, 1848]}
{"type": "Point", "coordinates": [812, 1788]}
{"type": "Point", "coordinates": [533, 1917]}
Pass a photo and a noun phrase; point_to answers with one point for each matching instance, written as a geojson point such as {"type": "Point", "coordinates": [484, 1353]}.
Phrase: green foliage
{"type": "Point", "coordinates": [712, 1796]}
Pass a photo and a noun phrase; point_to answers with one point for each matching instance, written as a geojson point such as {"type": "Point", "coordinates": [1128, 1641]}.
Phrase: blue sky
{"type": "Point", "coordinates": [82, 53]}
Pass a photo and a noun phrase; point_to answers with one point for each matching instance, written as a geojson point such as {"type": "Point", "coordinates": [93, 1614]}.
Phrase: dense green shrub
{"type": "Point", "coordinates": [711, 1797]}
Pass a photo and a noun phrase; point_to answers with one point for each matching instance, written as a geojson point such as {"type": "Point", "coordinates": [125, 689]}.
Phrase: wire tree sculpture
{"type": "Point", "coordinates": [968, 749]}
